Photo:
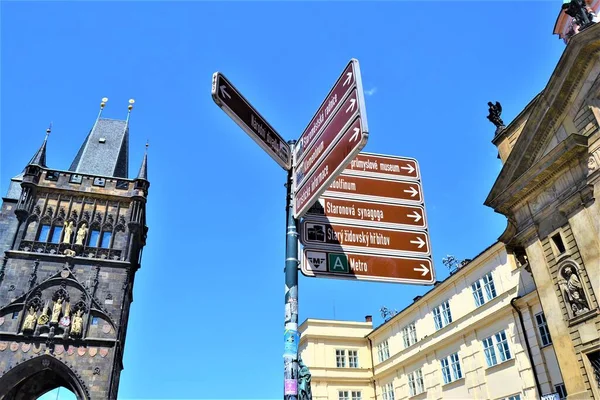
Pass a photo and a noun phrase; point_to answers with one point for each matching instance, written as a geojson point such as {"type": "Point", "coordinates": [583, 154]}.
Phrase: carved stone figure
{"type": "Point", "coordinates": [304, 389]}
{"type": "Point", "coordinates": [77, 323]}
{"type": "Point", "coordinates": [573, 292]}
{"type": "Point", "coordinates": [29, 323]}
{"type": "Point", "coordinates": [495, 111]}
{"type": "Point", "coordinates": [56, 310]}
{"type": "Point", "coordinates": [579, 10]}
{"type": "Point", "coordinates": [43, 318]}
{"type": "Point", "coordinates": [68, 232]}
{"type": "Point", "coordinates": [81, 233]}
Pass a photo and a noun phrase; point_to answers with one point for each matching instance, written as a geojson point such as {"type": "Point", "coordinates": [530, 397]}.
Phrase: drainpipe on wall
{"type": "Point", "coordinates": [372, 368]}
{"type": "Point", "coordinates": [535, 376]}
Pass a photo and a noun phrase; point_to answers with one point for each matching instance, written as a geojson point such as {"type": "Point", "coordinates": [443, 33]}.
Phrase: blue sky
{"type": "Point", "coordinates": [207, 320]}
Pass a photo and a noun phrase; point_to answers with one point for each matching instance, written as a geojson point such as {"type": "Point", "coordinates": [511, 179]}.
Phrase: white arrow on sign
{"type": "Point", "coordinates": [223, 92]}
{"type": "Point", "coordinates": [351, 106]}
{"type": "Point", "coordinates": [419, 241]}
{"type": "Point", "coordinates": [413, 191]}
{"type": "Point", "coordinates": [410, 169]}
{"type": "Point", "coordinates": [423, 270]}
{"type": "Point", "coordinates": [348, 79]}
{"type": "Point", "coordinates": [415, 215]}
{"type": "Point", "coordinates": [355, 136]}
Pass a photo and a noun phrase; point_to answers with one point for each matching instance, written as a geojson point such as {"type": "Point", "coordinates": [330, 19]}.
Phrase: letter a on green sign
{"type": "Point", "coordinates": [338, 263]}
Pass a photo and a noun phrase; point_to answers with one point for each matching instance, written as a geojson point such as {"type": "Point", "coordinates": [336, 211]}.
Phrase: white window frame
{"type": "Point", "coordinates": [356, 395]}
{"type": "Point", "coordinates": [409, 335]}
{"type": "Point", "coordinates": [451, 369]}
{"type": "Point", "coordinates": [383, 351]}
{"type": "Point", "coordinates": [343, 395]}
{"type": "Point", "coordinates": [387, 391]}
{"type": "Point", "coordinates": [484, 289]}
{"type": "Point", "coordinates": [542, 326]}
{"type": "Point", "coordinates": [340, 358]}
{"type": "Point", "coordinates": [498, 341]}
{"type": "Point", "coordinates": [416, 385]}
{"type": "Point", "coordinates": [442, 316]}
{"type": "Point", "coordinates": [352, 358]}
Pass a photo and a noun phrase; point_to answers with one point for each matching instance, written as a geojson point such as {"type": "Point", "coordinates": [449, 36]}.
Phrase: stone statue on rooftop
{"type": "Point", "coordinates": [495, 111]}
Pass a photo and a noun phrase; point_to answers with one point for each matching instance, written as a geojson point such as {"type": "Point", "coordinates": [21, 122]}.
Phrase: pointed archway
{"type": "Point", "coordinates": [37, 376]}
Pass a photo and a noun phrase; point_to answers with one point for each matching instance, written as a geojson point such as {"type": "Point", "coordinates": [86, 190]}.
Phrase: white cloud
{"type": "Point", "coordinates": [371, 92]}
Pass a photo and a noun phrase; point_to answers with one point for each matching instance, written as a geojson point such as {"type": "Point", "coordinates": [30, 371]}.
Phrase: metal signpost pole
{"type": "Point", "coordinates": [291, 335]}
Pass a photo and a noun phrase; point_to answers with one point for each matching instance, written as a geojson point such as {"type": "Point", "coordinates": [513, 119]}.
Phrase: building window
{"type": "Point", "coordinates": [496, 342]}
{"type": "Point", "coordinates": [595, 361]}
{"type": "Point", "coordinates": [415, 383]}
{"type": "Point", "coordinates": [543, 329]}
{"type": "Point", "coordinates": [99, 182]}
{"type": "Point", "coordinates": [442, 315]}
{"type": "Point", "coordinates": [513, 397]}
{"type": "Point", "coordinates": [383, 351]}
{"type": "Point", "coordinates": [15, 315]}
{"type": "Point", "coordinates": [94, 320]}
{"type": "Point", "coordinates": [558, 243]}
{"type": "Point", "coordinates": [44, 231]}
{"type": "Point", "coordinates": [94, 236]}
{"type": "Point", "coordinates": [52, 175]}
{"type": "Point", "coordinates": [56, 233]}
{"type": "Point", "coordinates": [340, 358]}
{"type": "Point", "coordinates": [105, 242]}
{"type": "Point", "coordinates": [409, 335]}
{"type": "Point", "coordinates": [356, 395]}
{"type": "Point", "coordinates": [483, 289]}
{"type": "Point", "coordinates": [451, 368]}
{"type": "Point", "coordinates": [353, 358]}
{"type": "Point", "coordinates": [343, 395]}
{"type": "Point", "coordinates": [561, 390]}
{"type": "Point", "coordinates": [388, 391]}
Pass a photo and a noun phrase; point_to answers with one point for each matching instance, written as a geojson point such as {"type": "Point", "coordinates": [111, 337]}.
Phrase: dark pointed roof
{"type": "Point", "coordinates": [39, 158]}
{"type": "Point", "coordinates": [143, 174]}
{"type": "Point", "coordinates": [105, 151]}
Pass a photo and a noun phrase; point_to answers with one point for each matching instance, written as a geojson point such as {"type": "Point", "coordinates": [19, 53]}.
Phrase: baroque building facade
{"type": "Point", "coordinates": [539, 334]}
{"type": "Point", "coordinates": [479, 334]}
{"type": "Point", "coordinates": [71, 243]}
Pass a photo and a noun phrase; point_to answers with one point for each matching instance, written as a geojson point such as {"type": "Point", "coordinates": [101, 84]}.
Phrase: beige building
{"type": "Point", "coordinates": [463, 339]}
{"type": "Point", "coordinates": [522, 319]}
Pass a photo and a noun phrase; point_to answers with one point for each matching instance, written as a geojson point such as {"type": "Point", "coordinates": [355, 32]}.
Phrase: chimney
{"type": "Point", "coordinates": [369, 318]}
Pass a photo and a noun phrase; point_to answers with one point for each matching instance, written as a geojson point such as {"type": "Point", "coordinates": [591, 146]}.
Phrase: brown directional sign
{"type": "Point", "coordinates": [384, 166]}
{"type": "Point", "coordinates": [330, 133]}
{"type": "Point", "coordinates": [226, 96]}
{"type": "Point", "coordinates": [368, 267]}
{"type": "Point", "coordinates": [352, 140]}
{"type": "Point", "coordinates": [338, 237]}
{"type": "Point", "coordinates": [375, 189]}
{"type": "Point", "coordinates": [334, 137]}
{"type": "Point", "coordinates": [365, 213]}
{"type": "Point", "coordinates": [344, 84]}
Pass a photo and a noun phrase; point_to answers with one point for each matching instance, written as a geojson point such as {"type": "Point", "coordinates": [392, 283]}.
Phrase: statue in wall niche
{"type": "Point", "coordinates": [81, 233]}
{"type": "Point", "coordinates": [29, 323]}
{"type": "Point", "coordinates": [304, 389]}
{"type": "Point", "coordinates": [43, 318]}
{"type": "Point", "coordinates": [573, 292]}
{"type": "Point", "coordinates": [68, 232]}
{"type": "Point", "coordinates": [56, 310]}
{"type": "Point", "coordinates": [77, 324]}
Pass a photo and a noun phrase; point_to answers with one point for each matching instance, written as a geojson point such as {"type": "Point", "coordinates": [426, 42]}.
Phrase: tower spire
{"type": "Point", "coordinates": [143, 174]}
{"type": "Point", "coordinates": [39, 158]}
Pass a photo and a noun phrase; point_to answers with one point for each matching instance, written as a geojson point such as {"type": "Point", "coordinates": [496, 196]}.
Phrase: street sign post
{"type": "Point", "coordinates": [370, 224]}
{"type": "Point", "coordinates": [335, 135]}
{"type": "Point", "coordinates": [226, 96]}
{"type": "Point", "coordinates": [366, 267]}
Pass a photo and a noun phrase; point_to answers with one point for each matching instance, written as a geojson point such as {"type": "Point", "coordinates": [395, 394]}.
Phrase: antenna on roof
{"type": "Point", "coordinates": [102, 104]}
{"type": "Point", "coordinates": [48, 131]}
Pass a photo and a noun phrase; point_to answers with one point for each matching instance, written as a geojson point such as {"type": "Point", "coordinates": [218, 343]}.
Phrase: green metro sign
{"type": "Point", "coordinates": [338, 262]}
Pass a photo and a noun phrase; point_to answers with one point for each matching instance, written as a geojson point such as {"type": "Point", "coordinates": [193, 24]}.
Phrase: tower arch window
{"type": "Point", "coordinates": [105, 239]}
{"type": "Point", "coordinates": [56, 234]}
{"type": "Point", "coordinates": [94, 237]}
{"type": "Point", "coordinates": [44, 232]}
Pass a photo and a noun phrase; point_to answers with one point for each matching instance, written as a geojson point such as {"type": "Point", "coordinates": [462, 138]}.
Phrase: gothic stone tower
{"type": "Point", "coordinates": [71, 243]}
